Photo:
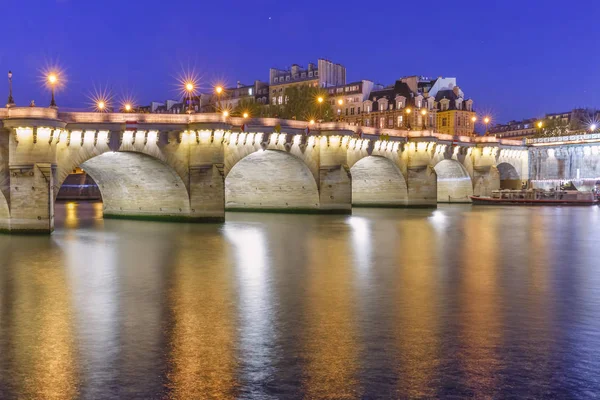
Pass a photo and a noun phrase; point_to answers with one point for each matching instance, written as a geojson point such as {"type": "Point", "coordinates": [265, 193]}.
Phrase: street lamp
{"type": "Point", "coordinates": [406, 123]}
{"type": "Point", "coordinates": [11, 101]}
{"type": "Point", "coordinates": [340, 103]}
{"type": "Point", "coordinates": [540, 124]}
{"type": "Point", "coordinates": [424, 120]}
{"type": "Point", "coordinates": [189, 88]}
{"type": "Point", "coordinates": [101, 105]}
{"type": "Point", "coordinates": [311, 122]}
{"type": "Point", "coordinates": [593, 127]}
{"type": "Point", "coordinates": [486, 121]}
{"type": "Point", "coordinates": [225, 113]}
{"type": "Point", "coordinates": [128, 107]}
{"type": "Point", "coordinates": [245, 115]}
{"type": "Point", "coordinates": [52, 81]}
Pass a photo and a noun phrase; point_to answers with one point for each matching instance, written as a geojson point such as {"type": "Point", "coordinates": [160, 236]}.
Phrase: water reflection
{"type": "Point", "coordinates": [331, 337]}
{"type": "Point", "coordinates": [203, 333]}
{"type": "Point", "coordinates": [480, 321]}
{"type": "Point", "coordinates": [457, 302]}
{"type": "Point", "coordinates": [417, 320]}
{"type": "Point", "coordinates": [37, 326]}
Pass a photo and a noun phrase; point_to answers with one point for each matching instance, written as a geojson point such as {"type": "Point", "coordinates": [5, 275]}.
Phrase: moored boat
{"type": "Point", "coordinates": [538, 197]}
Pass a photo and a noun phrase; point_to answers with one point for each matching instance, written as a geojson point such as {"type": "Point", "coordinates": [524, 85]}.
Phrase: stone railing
{"type": "Point", "coordinates": [582, 137]}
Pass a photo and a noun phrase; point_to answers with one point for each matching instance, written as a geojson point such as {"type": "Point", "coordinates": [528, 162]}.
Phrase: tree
{"type": "Point", "coordinates": [553, 127]}
{"type": "Point", "coordinates": [301, 103]}
{"type": "Point", "coordinates": [249, 106]}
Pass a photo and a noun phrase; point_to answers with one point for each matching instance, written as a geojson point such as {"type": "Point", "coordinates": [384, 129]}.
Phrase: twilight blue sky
{"type": "Point", "coordinates": [516, 59]}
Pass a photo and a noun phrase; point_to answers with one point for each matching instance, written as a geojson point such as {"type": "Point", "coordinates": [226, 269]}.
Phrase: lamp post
{"type": "Point", "coordinates": [486, 121]}
{"type": "Point", "coordinates": [407, 111]}
{"type": "Point", "coordinates": [320, 100]}
{"type": "Point", "coordinates": [340, 103]}
{"type": "Point", "coordinates": [52, 81]}
{"type": "Point", "coordinates": [473, 120]}
{"type": "Point", "coordinates": [424, 117]}
{"type": "Point", "coordinates": [101, 105]}
{"type": "Point", "coordinates": [128, 107]}
{"type": "Point", "coordinates": [189, 89]}
{"type": "Point", "coordinates": [11, 101]}
{"type": "Point", "coordinates": [218, 91]}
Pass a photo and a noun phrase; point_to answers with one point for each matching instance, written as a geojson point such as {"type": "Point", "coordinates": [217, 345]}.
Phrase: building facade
{"type": "Point", "coordinates": [415, 103]}
{"type": "Point", "coordinates": [323, 74]}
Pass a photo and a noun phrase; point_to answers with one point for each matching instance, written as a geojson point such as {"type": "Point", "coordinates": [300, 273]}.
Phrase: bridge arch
{"type": "Point", "coordinates": [134, 184]}
{"type": "Point", "coordinates": [509, 176]}
{"type": "Point", "coordinates": [271, 180]}
{"type": "Point", "coordinates": [454, 184]}
{"type": "Point", "coordinates": [377, 181]}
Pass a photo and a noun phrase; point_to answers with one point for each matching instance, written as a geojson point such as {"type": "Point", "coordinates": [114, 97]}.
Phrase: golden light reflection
{"type": "Point", "coordinates": [43, 324]}
{"type": "Point", "coordinates": [480, 326]}
{"type": "Point", "coordinates": [202, 357]}
{"type": "Point", "coordinates": [417, 314]}
{"type": "Point", "coordinates": [71, 219]}
{"type": "Point", "coordinates": [331, 336]}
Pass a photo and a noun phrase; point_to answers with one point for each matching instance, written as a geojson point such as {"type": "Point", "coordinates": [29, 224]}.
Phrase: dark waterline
{"type": "Point", "coordinates": [460, 301]}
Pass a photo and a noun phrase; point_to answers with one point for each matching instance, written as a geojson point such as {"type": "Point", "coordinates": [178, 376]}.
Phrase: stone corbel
{"type": "Point", "coordinates": [46, 169]}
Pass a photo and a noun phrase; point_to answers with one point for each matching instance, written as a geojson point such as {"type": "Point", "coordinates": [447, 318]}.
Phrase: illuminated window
{"type": "Point", "coordinates": [250, 92]}
{"type": "Point", "coordinates": [399, 121]}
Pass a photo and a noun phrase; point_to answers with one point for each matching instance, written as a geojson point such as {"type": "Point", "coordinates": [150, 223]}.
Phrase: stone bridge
{"type": "Point", "coordinates": [194, 167]}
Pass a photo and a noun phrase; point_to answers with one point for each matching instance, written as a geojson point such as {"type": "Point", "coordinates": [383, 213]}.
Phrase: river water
{"type": "Point", "coordinates": [460, 301]}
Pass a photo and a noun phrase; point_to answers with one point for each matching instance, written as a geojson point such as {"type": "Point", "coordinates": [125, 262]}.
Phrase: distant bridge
{"type": "Point", "coordinates": [194, 167]}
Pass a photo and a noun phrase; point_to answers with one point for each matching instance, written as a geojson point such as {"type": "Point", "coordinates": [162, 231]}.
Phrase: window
{"type": "Point", "coordinates": [303, 75]}
{"type": "Point", "coordinates": [444, 121]}
{"type": "Point", "coordinates": [310, 74]}
{"type": "Point", "coordinates": [358, 110]}
{"type": "Point", "coordinates": [250, 92]}
{"type": "Point", "coordinates": [399, 121]}
{"type": "Point", "coordinates": [274, 100]}
{"type": "Point", "coordinates": [346, 111]}
{"type": "Point", "coordinates": [316, 73]}
{"type": "Point", "coordinates": [368, 109]}
{"type": "Point", "coordinates": [275, 79]}
{"type": "Point", "coordinates": [458, 121]}
{"type": "Point", "coordinates": [382, 122]}
{"type": "Point", "coordinates": [391, 122]}
{"type": "Point", "coordinates": [367, 122]}
{"type": "Point", "coordinates": [352, 111]}
{"type": "Point", "coordinates": [287, 78]}
{"type": "Point", "coordinates": [280, 99]}
{"type": "Point", "coordinates": [418, 103]}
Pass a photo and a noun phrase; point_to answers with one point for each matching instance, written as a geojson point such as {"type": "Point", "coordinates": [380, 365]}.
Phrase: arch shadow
{"type": "Point", "coordinates": [138, 186]}
{"type": "Point", "coordinates": [454, 184]}
{"type": "Point", "coordinates": [271, 180]}
{"type": "Point", "coordinates": [509, 177]}
{"type": "Point", "coordinates": [378, 182]}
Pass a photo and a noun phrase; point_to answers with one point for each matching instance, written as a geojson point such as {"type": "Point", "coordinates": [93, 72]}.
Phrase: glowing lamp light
{"type": "Point", "coordinates": [189, 86]}
{"type": "Point", "coordinates": [474, 119]}
{"type": "Point", "coordinates": [312, 121]}
{"type": "Point", "coordinates": [486, 120]}
{"type": "Point", "coordinates": [245, 115]}
{"type": "Point", "coordinates": [540, 124]}
{"type": "Point", "coordinates": [52, 78]}
{"type": "Point", "coordinates": [219, 89]}
{"type": "Point", "coordinates": [408, 110]}
{"type": "Point", "coordinates": [127, 107]}
{"type": "Point", "coordinates": [320, 99]}
{"type": "Point", "coordinates": [101, 105]}
{"type": "Point", "coordinates": [340, 102]}
{"type": "Point", "coordinates": [225, 114]}
{"type": "Point", "coordinates": [423, 112]}
{"type": "Point", "coordinates": [593, 127]}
